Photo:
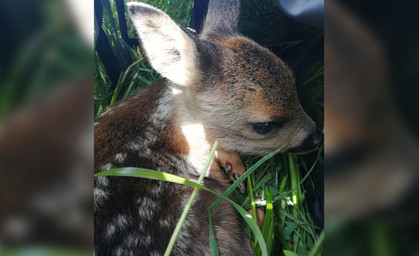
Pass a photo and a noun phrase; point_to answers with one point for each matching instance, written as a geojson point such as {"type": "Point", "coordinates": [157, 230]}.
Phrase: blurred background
{"type": "Point", "coordinates": [46, 127]}
{"type": "Point", "coordinates": [371, 127]}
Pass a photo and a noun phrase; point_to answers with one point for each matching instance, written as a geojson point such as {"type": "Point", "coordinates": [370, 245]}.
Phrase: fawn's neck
{"type": "Point", "coordinates": [174, 116]}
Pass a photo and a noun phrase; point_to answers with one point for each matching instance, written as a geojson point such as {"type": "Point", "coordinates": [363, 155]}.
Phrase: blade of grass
{"type": "Point", "coordinates": [268, 215]}
{"type": "Point", "coordinates": [262, 181]}
{"type": "Point", "coordinates": [295, 195]}
{"type": "Point", "coordinates": [318, 246]}
{"type": "Point", "coordinates": [213, 240]}
{"type": "Point", "coordinates": [115, 95]}
{"type": "Point", "coordinates": [252, 201]}
{"type": "Point", "coordinates": [189, 204]}
{"type": "Point", "coordinates": [294, 183]}
{"type": "Point", "coordinates": [290, 253]}
{"type": "Point", "coordinates": [121, 82]}
{"type": "Point", "coordinates": [286, 232]}
{"type": "Point", "coordinates": [267, 227]}
{"type": "Point", "coordinates": [269, 239]}
{"type": "Point", "coordinates": [320, 150]}
{"type": "Point", "coordinates": [307, 227]}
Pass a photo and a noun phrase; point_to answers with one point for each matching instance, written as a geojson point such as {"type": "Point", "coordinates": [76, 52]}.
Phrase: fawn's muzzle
{"type": "Point", "coordinates": [311, 143]}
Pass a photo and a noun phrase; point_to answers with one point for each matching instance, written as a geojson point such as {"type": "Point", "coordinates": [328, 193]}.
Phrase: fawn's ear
{"type": "Point", "coordinates": [222, 19]}
{"type": "Point", "coordinates": [170, 51]}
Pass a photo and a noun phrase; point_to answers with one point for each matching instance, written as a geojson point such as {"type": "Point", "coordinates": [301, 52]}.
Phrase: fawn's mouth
{"type": "Point", "coordinates": [308, 145]}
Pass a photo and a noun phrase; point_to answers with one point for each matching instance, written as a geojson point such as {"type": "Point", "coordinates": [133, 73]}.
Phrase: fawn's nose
{"type": "Point", "coordinates": [314, 140]}
{"type": "Point", "coordinates": [311, 143]}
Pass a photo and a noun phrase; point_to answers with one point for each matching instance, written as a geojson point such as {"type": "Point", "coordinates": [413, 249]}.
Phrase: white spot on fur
{"type": "Point", "coordinates": [110, 231]}
{"type": "Point", "coordinates": [182, 240]}
{"type": "Point", "coordinates": [133, 145]}
{"type": "Point", "coordinates": [146, 208]}
{"type": "Point", "coordinates": [119, 251]}
{"type": "Point", "coordinates": [121, 220]}
{"type": "Point", "coordinates": [164, 223]}
{"type": "Point", "coordinates": [120, 157]}
{"type": "Point", "coordinates": [99, 194]}
{"type": "Point", "coordinates": [106, 167]}
{"type": "Point", "coordinates": [147, 152]}
{"type": "Point", "coordinates": [132, 241]}
{"type": "Point", "coordinates": [156, 190]}
{"type": "Point", "coordinates": [163, 110]}
{"type": "Point", "coordinates": [141, 226]}
{"type": "Point", "coordinates": [149, 138]}
{"type": "Point", "coordinates": [102, 181]}
{"type": "Point", "coordinates": [145, 240]}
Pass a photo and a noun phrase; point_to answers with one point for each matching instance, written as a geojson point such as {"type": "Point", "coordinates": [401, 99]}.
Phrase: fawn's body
{"type": "Point", "coordinates": [220, 86]}
{"type": "Point", "coordinates": [143, 213]}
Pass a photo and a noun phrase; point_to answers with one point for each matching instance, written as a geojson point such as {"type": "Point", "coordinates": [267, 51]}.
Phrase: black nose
{"type": "Point", "coordinates": [312, 142]}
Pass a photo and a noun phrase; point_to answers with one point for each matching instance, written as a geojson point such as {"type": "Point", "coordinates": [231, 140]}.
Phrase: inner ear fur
{"type": "Point", "coordinates": [170, 51]}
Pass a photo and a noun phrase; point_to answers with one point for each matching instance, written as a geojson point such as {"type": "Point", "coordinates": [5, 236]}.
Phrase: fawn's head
{"type": "Point", "coordinates": [242, 94]}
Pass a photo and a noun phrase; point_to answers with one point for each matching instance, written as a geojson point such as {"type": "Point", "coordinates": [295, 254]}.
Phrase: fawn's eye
{"type": "Point", "coordinates": [267, 127]}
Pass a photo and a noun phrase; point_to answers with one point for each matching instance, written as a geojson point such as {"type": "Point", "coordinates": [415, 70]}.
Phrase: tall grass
{"type": "Point", "coordinates": [277, 183]}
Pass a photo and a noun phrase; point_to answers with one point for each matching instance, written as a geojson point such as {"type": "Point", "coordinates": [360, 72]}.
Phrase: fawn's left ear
{"type": "Point", "coordinates": [170, 51]}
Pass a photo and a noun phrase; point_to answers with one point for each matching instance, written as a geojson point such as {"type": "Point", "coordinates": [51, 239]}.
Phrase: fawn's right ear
{"type": "Point", "coordinates": [222, 19]}
{"type": "Point", "coordinates": [170, 51]}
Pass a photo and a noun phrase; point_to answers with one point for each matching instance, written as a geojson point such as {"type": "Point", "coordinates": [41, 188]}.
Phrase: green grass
{"type": "Point", "coordinates": [295, 230]}
{"type": "Point", "coordinates": [279, 181]}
